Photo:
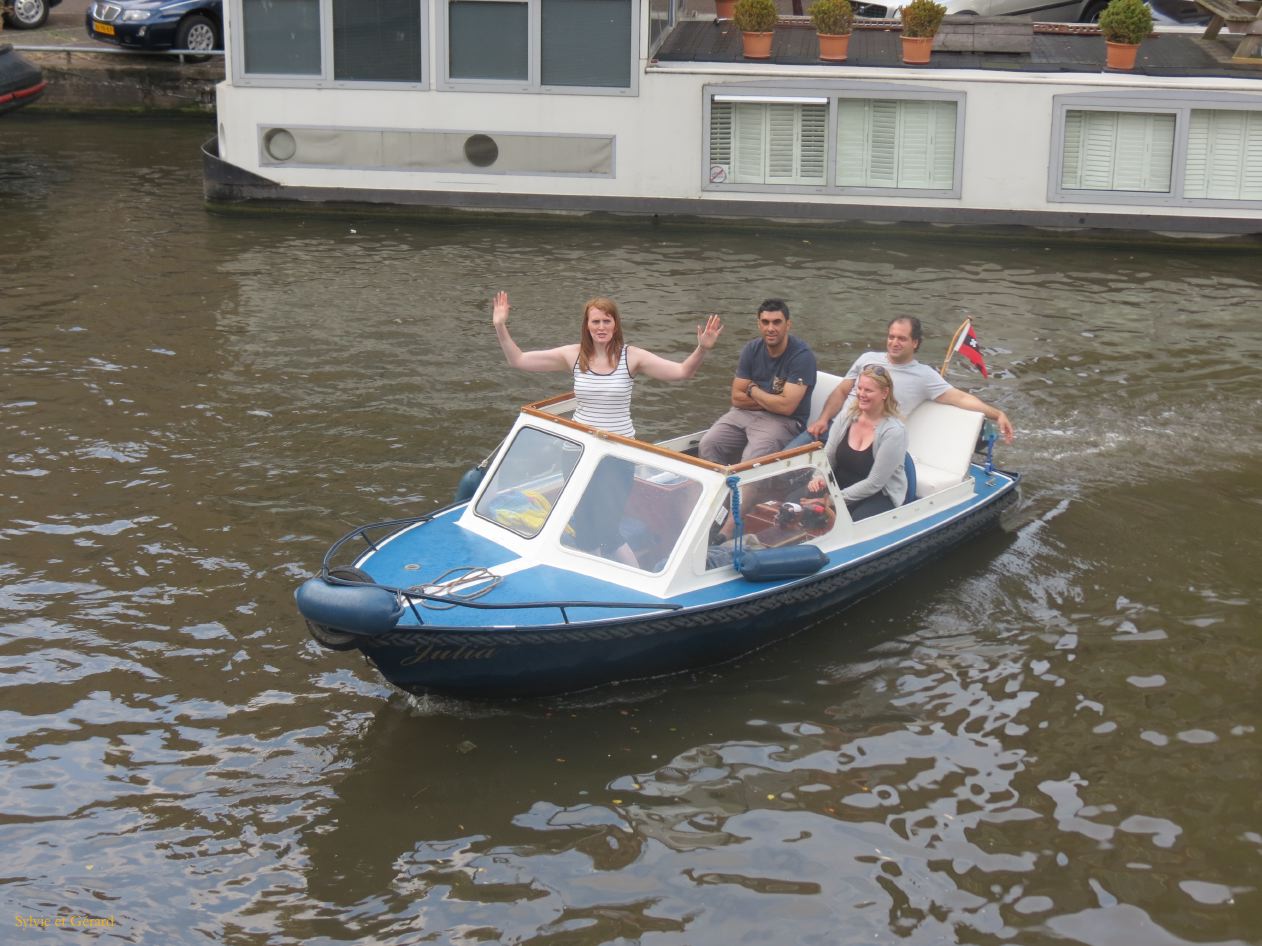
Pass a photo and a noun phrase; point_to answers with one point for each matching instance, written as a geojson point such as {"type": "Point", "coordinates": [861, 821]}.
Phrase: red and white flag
{"type": "Point", "coordinates": [969, 347]}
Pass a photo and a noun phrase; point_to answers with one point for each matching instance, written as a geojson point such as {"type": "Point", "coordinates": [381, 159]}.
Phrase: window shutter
{"type": "Point", "coordinates": [814, 143]}
{"type": "Point", "coordinates": [1224, 155]}
{"type": "Point", "coordinates": [1196, 167]}
{"type": "Point", "coordinates": [748, 143]}
{"type": "Point", "coordinates": [1072, 151]}
{"type": "Point", "coordinates": [883, 160]}
{"type": "Point", "coordinates": [896, 143]}
{"type": "Point", "coordinates": [721, 135]}
{"type": "Point", "coordinates": [781, 144]}
{"type": "Point", "coordinates": [913, 151]}
{"type": "Point", "coordinates": [1099, 140]}
{"type": "Point", "coordinates": [1124, 151]}
{"type": "Point", "coordinates": [1251, 187]}
{"type": "Point", "coordinates": [853, 123]}
{"type": "Point", "coordinates": [768, 143]}
{"type": "Point", "coordinates": [942, 146]}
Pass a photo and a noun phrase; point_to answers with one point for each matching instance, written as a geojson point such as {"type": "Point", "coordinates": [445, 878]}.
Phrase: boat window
{"type": "Point", "coordinates": [528, 480]}
{"type": "Point", "coordinates": [361, 42]}
{"type": "Point", "coordinates": [1167, 150]}
{"type": "Point", "coordinates": [845, 142]}
{"type": "Point", "coordinates": [378, 41]}
{"type": "Point", "coordinates": [768, 143]}
{"type": "Point", "coordinates": [775, 511]}
{"type": "Point", "coordinates": [633, 513]}
{"type": "Point", "coordinates": [1224, 157]}
{"type": "Point", "coordinates": [896, 143]}
{"type": "Point", "coordinates": [281, 38]}
{"type": "Point", "coordinates": [1117, 151]}
{"type": "Point", "coordinates": [559, 44]}
{"type": "Point", "coordinates": [662, 14]}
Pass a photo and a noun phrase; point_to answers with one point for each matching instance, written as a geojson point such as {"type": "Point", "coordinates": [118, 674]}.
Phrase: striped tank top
{"type": "Point", "coordinates": [604, 400]}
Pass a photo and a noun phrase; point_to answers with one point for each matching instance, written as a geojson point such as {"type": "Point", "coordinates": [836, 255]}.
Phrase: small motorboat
{"type": "Point", "coordinates": [21, 82]}
{"type": "Point", "coordinates": [584, 558]}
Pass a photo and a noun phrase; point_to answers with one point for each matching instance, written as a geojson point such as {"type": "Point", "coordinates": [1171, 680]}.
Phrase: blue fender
{"type": "Point", "coordinates": [469, 483]}
{"type": "Point", "coordinates": [790, 561]}
{"type": "Point", "coordinates": [355, 609]}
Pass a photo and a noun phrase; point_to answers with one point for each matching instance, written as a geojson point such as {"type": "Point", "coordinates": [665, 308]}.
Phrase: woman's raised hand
{"type": "Point", "coordinates": [708, 335]}
{"type": "Point", "coordinates": [499, 308]}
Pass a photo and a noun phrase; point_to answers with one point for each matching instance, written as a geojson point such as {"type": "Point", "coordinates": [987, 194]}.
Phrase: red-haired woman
{"type": "Point", "coordinates": [603, 366]}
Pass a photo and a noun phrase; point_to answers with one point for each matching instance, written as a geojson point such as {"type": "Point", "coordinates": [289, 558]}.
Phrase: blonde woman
{"type": "Point", "coordinates": [866, 451]}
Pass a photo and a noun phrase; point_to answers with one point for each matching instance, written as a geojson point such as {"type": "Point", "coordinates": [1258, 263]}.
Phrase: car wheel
{"type": "Point", "coordinates": [1091, 13]}
{"type": "Point", "coordinates": [28, 14]}
{"type": "Point", "coordinates": [197, 33]}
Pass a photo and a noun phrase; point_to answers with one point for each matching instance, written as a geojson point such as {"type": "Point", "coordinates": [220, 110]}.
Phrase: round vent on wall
{"type": "Point", "coordinates": [481, 150]}
{"type": "Point", "coordinates": [279, 144]}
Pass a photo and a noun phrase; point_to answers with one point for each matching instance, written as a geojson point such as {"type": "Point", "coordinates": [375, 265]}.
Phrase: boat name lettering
{"type": "Point", "coordinates": [432, 652]}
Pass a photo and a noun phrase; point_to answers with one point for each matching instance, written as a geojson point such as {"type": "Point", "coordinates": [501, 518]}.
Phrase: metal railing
{"type": "Point", "coordinates": [180, 54]}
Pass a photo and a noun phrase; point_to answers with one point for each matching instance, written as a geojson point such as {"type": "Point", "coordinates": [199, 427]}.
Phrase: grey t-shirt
{"type": "Point", "coordinates": [914, 383]}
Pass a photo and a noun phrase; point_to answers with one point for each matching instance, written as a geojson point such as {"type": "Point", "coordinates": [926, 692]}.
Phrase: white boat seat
{"type": "Point", "coordinates": [941, 440]}
{"type": "Point", "coordinates": [824, 385]}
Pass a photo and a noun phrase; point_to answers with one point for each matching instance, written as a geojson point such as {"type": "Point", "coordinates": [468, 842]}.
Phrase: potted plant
{"type": "Point", "coordinates": [1124, 24]}
{"type": "Point", "coordinates": [723, 9]}
{"type": "Point", "coordinates": [756, 19]}
{"type": "Point", "coordinates": [833, 20]}
{"type": "Point", "coordinates": [921, 19]}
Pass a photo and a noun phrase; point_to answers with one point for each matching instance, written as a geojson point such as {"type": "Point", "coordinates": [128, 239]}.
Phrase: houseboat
{"type": "Point", "coordinates": [639, 107]}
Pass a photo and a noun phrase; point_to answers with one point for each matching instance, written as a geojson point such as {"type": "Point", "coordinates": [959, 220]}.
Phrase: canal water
{"type": "Point", "coordinates": [1050, 737]}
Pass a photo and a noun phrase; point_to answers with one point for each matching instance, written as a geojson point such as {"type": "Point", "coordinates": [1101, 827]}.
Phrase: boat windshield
{"type": "Point", "coordinates": [776, 510]}
{"type": "Point", "coordinates": [528, 480]}
{"type": "Point", "coordinates": [633, 513]}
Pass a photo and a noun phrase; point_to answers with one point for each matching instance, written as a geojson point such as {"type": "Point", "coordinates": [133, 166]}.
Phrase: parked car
{"type": "Point", "coordinates": [157, 24]}
{"type": "Point", "coordinates": [26, 14]}
{"type": "Point", "coordinates": [1164, 12]}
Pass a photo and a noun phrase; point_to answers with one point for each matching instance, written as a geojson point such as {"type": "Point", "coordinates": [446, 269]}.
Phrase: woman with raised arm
{"type": "Point", "coordinates": [604, 367]}
{"type": "Point", "coordinates": [866, 451]}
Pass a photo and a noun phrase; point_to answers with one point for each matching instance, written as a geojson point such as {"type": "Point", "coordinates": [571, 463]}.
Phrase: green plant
{"type": "Point", "coordinates": [832, 17]}
{"type": "Point", "coordinates": [755, 16]}
{"type": "Point", "coordinates": [923, 17]}
{"type": "Point", "coordinates": [1126, 21]}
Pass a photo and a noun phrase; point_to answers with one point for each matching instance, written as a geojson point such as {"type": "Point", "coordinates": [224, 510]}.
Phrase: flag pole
{"type": "Point", "coordinates": [955, 341]}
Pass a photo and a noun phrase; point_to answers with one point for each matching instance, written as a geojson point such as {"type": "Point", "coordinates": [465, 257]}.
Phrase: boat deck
{"type": "Point", "coordinates": [1056, 48]}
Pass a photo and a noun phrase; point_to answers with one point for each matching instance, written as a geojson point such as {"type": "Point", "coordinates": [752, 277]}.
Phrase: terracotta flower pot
{"type": "Point", "coordinates": [1120, 55]}
{"type": "Point", "coordinates": [834, 48]}
{"type": "Point", "coordinates": [757, 45]}
{"type": "Point", "coordinates": [916, 50]}
{"type": "Point", "coordinates": [723, 9]}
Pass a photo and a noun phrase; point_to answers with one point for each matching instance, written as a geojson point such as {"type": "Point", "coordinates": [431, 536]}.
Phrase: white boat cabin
{"type": "Point", "coordinates": [656, 518]}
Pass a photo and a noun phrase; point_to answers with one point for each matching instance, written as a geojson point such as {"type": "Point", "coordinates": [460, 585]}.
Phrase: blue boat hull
{"type": "Point", "coordinates": [514, 662]}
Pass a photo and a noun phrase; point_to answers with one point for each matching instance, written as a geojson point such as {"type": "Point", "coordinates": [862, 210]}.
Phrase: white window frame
{"type": "Point", "coordinates": [533, 81]}
{"type": "Point", "coordinates": [1179, 104]}
{"type": "Point", "coordinates": [813, 93]}
{"type": "Point", "coordinates": [325, 79]}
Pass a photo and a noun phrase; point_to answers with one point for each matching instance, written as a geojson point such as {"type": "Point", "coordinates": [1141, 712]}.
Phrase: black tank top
{"type": "Point", "coordinates": [851, 465]}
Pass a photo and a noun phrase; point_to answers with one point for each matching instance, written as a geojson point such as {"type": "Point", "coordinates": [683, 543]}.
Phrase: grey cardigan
{"type": "Point", "coordinates": [889, 448]}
